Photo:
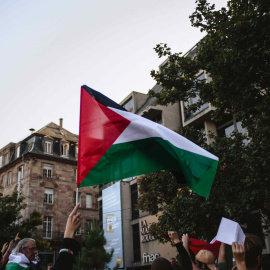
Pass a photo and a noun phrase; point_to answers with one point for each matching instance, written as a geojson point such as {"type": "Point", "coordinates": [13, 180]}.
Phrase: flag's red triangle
{"type": "Point", "coordinates": [99, 128]}
{"type": "Point", "coordinates": [196, 245]}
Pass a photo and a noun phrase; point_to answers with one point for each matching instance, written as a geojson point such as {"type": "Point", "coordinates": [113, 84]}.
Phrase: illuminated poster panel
{"type": "Point", "coordinates": [112, 223]}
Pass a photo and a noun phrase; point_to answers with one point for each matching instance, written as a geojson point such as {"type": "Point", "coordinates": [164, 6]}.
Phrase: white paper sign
{"type": "Point", "coordinates": [229, 231]}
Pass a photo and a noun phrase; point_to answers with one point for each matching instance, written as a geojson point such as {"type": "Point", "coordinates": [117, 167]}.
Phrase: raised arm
{"type": "Point", "coordinates": [6, 254]}
{"type": "Point", "coordinates": [73, 223]}
{"type": "Point", "coordinates": [239, 255]}
{"type": "Point", "coordinates": [185, 240]}
{"type": "Point", "coordinates": [222, 254]}
{"type": "Point", "coordinates": [186, 262]}
{"type": "Point", "coordinates": [70, 246]}
{"type": "Point", "coordinates": [4, 247]}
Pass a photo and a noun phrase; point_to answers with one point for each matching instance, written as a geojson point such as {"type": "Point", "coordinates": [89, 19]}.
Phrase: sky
{"type": "Point", "coordinates": [49, 49]}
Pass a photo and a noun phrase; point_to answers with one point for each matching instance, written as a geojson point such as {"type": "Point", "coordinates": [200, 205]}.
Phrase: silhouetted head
{"type": "Point", "coordinates": [253, 251]}
{"type": "Point", "coordinates": [161, 264]}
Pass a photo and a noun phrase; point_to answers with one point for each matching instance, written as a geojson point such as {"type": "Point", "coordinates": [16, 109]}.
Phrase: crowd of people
{"type": "Point", "coordinates": [23, 254]}
{"type": "Point", "coordinates": [247, 256]}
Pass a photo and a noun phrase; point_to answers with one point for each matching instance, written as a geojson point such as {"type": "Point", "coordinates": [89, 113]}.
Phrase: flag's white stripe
{"type": "Point", "coordinates": [142, 128]}
{"type": "Point", "coordinates": [20, 259]}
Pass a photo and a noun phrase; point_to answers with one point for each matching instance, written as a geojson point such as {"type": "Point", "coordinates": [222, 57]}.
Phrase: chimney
{"type": "Point", "coordinates": [61, 122]}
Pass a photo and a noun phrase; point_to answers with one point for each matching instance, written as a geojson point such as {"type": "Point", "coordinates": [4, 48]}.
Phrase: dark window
{"type": "Point", "coordinates": [136, 243]}
{"type": "Point", "coordinates": [100, 214]}
{"type": "Point", "coordinates": [47, 227]}
{"type": "Point", "coordinates": [134, 198]}
{"type": "Point", "coordinates": [129, 105]}
{"type": "Point", "coordinates": [88, 226]}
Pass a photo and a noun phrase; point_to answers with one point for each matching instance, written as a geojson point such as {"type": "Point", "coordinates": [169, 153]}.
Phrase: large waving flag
{"type": "Point", "coordinates": [115, 144]}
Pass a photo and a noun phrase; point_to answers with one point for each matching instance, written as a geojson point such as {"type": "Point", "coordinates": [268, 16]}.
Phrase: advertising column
{"type": "Point", "coordinates": [112, 223]}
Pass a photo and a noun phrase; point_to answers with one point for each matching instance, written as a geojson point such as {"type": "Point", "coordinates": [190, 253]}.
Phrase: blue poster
{"type": "Point", "coordinates": [112, 223]}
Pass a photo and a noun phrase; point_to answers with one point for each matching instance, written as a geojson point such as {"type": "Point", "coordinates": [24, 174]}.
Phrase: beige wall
{"type": "Point", "coordinates": [154, 247]}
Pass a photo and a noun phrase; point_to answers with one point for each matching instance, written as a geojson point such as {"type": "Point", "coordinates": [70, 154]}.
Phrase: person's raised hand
{"type": "Point", "coordinates": [4, 247]}
{"type": "Point", "coordinates": [73, 223]}
{"type": "Point", "coordinates": [17, 238]}
{"type": "Point", "coordinates": [185, 240]}
{"type": "Point", "coordinates": [239, 255]}
{"type": "Point", "coordinates": [174, 237]}
{"type": "Point", "coordinates": [10, 245]}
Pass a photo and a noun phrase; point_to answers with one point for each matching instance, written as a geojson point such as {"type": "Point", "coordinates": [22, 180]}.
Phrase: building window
{"type": "Point", "coordinates": [4, 181]}
{"type": "Point", "coordinates": [129, 105]}
{"type": "Point", "coordinates": [75, 175]}
{"type": "Point", "coordinates": [78, 232]}
{"type": "Point", "coordinates": [20, 173]}
{"type": "Point", "coordinates": [194, 100]}
{"type": "Point", "coordinates": [88, 201]}
{"type": "Point", "coordinates": [5, 159]}
{"type": "Point", "coordinates": [134, 198]}
{"type": "Point", "coordinates": [48, 147]}
{"type": "Point", "coordinates": [64, 149]}
{"type": "Point", "coordinates": [158, 118]}
{"type": "Point", "coordinates": [9, 179]}
{"type": "Point", "coordinates": [79, 198]}
{"type": "Point", "coordinates": [1, 161]}
{"type": "Point", "coordinates": [136, 243]}
{"type": "Point", "coordinates": [18, 152]}
{"type": "Point", "coordinates": [100, 214]}
{"type": "Point", "coordinates": [47, 227]}
{"type": "Point", "coordinates": [47, 170]}
{"type": "Point", "coordinates": [88, 226]}
{"type": "Point", "coordinates": [76, 151]}
{"type": "Point", "coordinates": [228, 128]}
{"type": "Point", "coordinates": [48, 195]}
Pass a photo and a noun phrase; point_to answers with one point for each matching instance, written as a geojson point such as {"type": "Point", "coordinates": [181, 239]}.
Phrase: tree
{"type": "Point", "coordinates": [94, 256]}
{"type": "Point", "coordinates": [10, 223]}
{"type": "Point", "coordinates": [235, 53]}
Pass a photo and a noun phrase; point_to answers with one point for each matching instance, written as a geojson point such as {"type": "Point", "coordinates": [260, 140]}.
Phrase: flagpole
{"type": "Point", "coordinates": [77, 189]}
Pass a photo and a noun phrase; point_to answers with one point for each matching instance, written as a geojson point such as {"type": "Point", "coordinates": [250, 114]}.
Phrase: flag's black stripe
{"type": "Point", "coordinates": [102, 99]}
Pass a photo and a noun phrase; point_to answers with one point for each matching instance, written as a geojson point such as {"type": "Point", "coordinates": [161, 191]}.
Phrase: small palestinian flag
{"type": "Point", "coordinates": [18, 262]}
{"type": "Point", "coordinates": [196, 245]}
{"type": "Point", "coordinates": [115, 144]}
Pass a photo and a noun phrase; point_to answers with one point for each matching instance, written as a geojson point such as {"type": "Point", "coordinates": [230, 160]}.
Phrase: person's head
{"type": "Point", "coordinates": [161, 264]}
{"type": "Point", "coordinates": [205, 259]}
{"type": "Point", "coordinates": [28, 247]}
{"type": "Point", "coordinates": [49, 266]}
{"type": "Point", "coordinates": [253, 251]}
{"type": "Point", "coordinates": [173, 262]}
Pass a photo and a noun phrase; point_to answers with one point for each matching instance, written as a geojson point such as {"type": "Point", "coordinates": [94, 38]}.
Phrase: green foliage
{"type": "Point", "coordinates": [10, 207]}
{"type": "Point", "coordinates": [159, 192]}
{"type": "Point", "coordinates": [235, 55]}
{"type": "Point", "coordinates": [233, 195]}
{"type": "Point", "coordinates": [94, 256]}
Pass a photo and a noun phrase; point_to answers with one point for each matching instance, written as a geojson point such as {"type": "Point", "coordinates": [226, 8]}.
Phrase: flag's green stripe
{"type": "Point", "coordinates": [153, 154]}
{"type": "Point", "coordinates": [15, 266]}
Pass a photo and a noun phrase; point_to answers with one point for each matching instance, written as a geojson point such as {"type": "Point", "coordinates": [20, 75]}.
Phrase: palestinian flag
{"type": "Point", "coordinates": [196, 245]}
{"type": "Point", "coordinates": [115, 144]}
{"type": "Point", "coordinates": [18, 262]}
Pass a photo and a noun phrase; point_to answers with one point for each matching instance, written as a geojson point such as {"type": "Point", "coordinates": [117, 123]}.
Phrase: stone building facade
{"type": "Point", "coordinates": [43, 169]}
